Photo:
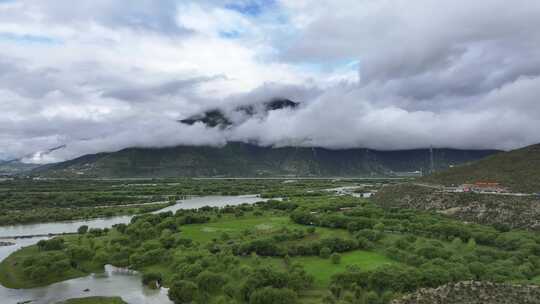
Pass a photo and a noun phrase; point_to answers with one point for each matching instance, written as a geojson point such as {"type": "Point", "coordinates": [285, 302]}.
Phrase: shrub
{"type": "Point", "coordinates": [270, 295]}
{"type": "Point", "coordinates": [325, 252]}
{"type": "Point", "coordinates": [183, 292]}
{"type": "Point", "coordinates": [83, 229]}
{"type": "Point", "coordinates": [335, 258]}
{"type": "Point", "coordinates": [151, 278]}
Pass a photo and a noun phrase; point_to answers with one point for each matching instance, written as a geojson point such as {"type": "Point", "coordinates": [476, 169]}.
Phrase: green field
{"type": "Point", "coordinates": [323, 269]}
{"type": "Point", "coordinates": [259, 225]}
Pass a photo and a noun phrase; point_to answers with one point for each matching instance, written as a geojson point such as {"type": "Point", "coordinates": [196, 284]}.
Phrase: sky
{"type": "Point", "coordinates": [103, 75]}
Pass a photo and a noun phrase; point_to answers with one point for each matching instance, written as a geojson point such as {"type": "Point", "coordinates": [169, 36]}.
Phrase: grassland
{"type": "Point", "coordinates": [260, 225]}
{"type": "Point", "coordinates": [323, 269]}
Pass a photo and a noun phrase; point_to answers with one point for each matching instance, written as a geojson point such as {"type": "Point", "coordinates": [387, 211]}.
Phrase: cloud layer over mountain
{"type": "Point", "coordinates": [391, 74]}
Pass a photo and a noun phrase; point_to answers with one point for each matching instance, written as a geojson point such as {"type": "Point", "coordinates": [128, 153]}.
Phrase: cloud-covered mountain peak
{"type": "Point", "coordinates": [223, 118]}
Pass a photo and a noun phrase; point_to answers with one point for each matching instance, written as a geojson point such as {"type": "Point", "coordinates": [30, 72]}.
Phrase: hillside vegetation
{"type": "Point", "coordinates": [518, 170]}
{"type": "Point", "coordinates": [501, 211]}
{"type": "Point", "coordinates": [239, 159]}
{"type": "Point", "coordinates": [474, 293]}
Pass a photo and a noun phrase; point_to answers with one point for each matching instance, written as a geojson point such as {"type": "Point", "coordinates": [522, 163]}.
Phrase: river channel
{"type": "Point", "coordinates": [113, 281]}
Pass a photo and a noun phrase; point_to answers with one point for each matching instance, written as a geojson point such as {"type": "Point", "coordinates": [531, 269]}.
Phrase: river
{"type": "Point", "coordinates": [113, 281]}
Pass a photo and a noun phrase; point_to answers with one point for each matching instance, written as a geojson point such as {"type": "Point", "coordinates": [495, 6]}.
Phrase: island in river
{"type": "Point", "coordinates": [94, 300]}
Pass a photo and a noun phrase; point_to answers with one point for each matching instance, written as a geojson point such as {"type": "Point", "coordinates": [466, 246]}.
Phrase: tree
{"type": "Point", "coordinates": [457, 243]}
{"type": "Point", "coordinates": [287, 260]}
{"type": "Point", "coordinates": [325, 252]}
{"type": "Point", "coordinates": [83, 229]}
{"type": "Point", "coordinates": [100, 257]}
{"type": "Point", "coordinates": [210, 282]}
{"type": "Point", "coordinates": [269, 295]}
{"type": "Point", "coordinates": [37, 273]}
{"type": "Point", "coordinates": [225, 236]}
{"type": "Point", "coordinates": [53, 244]}
{"type": "Point", "coordinates": [120, 227]}
{"type": "Point", "coordinates": [478, 270]}
{"type": "Point", "coordinates": [372, 298]}
{"type": "Point", "coordinates": [183, 292]}
{"type": "Point", "coordinates": [80, 253]}
{"type": "Point", "coordinates": [433, 276]}
{"type": "Point", "coordinates": [471, 245]}
{"type": "Point", "coordinates": [335, 258]}
{"type": "Point", "coordinates": [379, 227]}
{"type": "Point", "coordinates": [167, 239]}
{"type": "Point", "coordinates": [152, 279]}
{"type": "Point", "coordinates": [61, 266]}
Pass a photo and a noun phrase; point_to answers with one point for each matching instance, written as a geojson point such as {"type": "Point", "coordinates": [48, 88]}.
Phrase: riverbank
{"type": "Point", "coordinates": [94, 300]}
{"type": "Point", "coordinates": [48, 215]}
{"type": "Point", "coordinates": [12, 270]}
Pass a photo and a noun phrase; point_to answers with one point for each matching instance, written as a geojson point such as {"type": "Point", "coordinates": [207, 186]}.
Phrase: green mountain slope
{"type": "Point", "coordinates": [518, 170]}
{"type": "Point", "coordinates": [239, 159]}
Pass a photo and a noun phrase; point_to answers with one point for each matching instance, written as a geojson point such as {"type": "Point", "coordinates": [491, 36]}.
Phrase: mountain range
{"type": "Point", "coordinates": [246, 160]}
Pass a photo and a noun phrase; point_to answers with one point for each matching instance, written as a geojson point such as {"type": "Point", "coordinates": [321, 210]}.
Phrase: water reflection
{"type": "Point", "coordinates": [112, 282]}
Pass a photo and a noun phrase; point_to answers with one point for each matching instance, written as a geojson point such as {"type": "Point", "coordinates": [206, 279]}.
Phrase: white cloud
{"type": "Point", "coordinates": [392, 74]}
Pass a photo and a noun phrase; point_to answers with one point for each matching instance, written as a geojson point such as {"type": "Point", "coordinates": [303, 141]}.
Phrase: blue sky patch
{"type": "Point", "coordinates": [229, 34]}
{"type": "Point", "coordinates": [251, 8]}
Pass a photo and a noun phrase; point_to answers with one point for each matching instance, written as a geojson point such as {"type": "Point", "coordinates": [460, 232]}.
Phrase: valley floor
{"type": "Point", "coordinates": [310, 247]}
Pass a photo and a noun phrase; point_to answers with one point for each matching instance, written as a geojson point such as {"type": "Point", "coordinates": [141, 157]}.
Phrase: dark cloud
{"type": "Point", "coordinates": [34, 83]}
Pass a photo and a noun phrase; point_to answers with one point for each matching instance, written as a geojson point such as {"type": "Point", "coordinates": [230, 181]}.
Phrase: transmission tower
{"type": "Point", "coordinates": [431, 161]}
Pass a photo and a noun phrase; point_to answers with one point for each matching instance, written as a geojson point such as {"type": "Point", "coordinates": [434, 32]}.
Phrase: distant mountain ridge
{"type": "Point", "coordinates": [13, 167]}
{"type": "Point", "coordinates": [518, 170]}
{"type": "Point", "coordinates": [220, 118]}
{"type": "Point", "coordinates": [247, 160]}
